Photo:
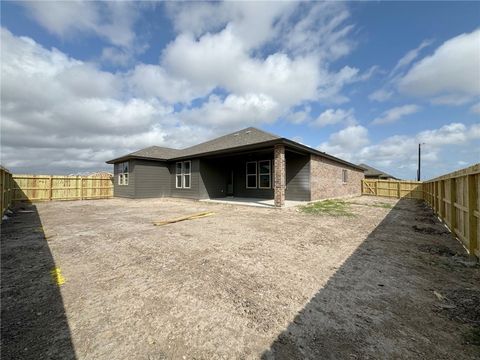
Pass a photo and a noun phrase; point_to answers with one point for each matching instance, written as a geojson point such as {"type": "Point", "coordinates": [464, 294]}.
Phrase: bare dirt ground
{"type": "Point", "coordinates": [246, 283]}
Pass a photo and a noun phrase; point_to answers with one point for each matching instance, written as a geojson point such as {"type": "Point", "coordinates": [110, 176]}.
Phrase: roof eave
{"type": "Point", "coordinates": [128, 157]}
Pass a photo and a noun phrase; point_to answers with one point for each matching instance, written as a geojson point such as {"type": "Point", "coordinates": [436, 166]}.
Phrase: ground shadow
{"type": "Point", "coordinates": [380, 303]}
{"type": "Point", "coordinates": [33, 320]}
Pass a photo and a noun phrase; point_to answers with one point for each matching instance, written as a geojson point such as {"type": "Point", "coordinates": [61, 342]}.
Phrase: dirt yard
{"type": "Point", "coordinates": [96, 280]}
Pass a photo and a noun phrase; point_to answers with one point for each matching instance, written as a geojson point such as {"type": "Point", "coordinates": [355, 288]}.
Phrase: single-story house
{"type": "Point", "coordinates": [372, 173]}
{"type": "Point", "coordinates": [249, 163]}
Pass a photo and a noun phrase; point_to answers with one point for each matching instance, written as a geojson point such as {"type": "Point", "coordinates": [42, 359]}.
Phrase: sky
{"type": "Point", "coordinates": [85, 82]}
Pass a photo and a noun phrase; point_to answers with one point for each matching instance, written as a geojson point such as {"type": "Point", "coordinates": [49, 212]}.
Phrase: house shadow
{"type": "Point", "coordinates": [33, 319]}
{"type": "Point", "coordinates": [369, 307]}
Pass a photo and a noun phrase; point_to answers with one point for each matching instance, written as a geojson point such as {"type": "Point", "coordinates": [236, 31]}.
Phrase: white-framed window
{"type": "Point", "coordinates": [251, 175]}
{"type": "Point", "coordinates": [122, 169]}
{"type": "Point", "coordinates": [264, 174]}
{"type": "Point", "coordinates": [344, 176]}
{"type": "Point", "coordinates": [183, 174]}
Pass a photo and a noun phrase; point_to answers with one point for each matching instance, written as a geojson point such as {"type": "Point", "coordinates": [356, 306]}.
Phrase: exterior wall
{"type": "Point", "coordinates": [326, 179]}
{"type": "Point", "coordinates": [239, 165]}
{"type": "Point", "coordinates": [152, 178]}
{"type": "Point", "coordinates": [213, 178]}
{"type": "Point", "coordinates": [124, 190]}
{"type": "Point", "coordinates": [297, 177]}
{"type": "Point", "coordinates": [194, 191]}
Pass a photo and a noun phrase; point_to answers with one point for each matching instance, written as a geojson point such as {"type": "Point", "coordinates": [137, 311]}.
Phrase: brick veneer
{"type": "Point", "coordinates": [326, 179]}
{"type": "Point", "coordinates": [279, 175]}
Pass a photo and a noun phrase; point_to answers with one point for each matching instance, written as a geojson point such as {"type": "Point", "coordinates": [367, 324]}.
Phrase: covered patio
{"type": "Point", "coordinates": [269, 203]}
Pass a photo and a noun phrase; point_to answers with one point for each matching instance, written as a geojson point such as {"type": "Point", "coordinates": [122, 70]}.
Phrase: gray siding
{"type": "Point", "coordinates": [124, 190]}
{"type": "Point", "coordinates": [297, 177]}
{"type": "Point", "coordinates": [194, 191]}
{"type": "Point", "coordinates": [152, 178]}
{"type": "Point", "coordinates": [240, 173]}
{"type": "Point", "coordinates": [213, 178]}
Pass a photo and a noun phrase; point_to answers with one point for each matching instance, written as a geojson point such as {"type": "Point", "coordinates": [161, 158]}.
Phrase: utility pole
{"type": "Point", "coordinates": [419, 161]}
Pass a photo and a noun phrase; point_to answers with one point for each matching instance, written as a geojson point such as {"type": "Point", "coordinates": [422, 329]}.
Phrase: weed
{"type": "Point", "coordinates": [328, 207]}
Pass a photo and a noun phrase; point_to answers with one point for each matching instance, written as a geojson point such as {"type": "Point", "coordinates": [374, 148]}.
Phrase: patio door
{"type": "Point", "coordinates": [230, 183]}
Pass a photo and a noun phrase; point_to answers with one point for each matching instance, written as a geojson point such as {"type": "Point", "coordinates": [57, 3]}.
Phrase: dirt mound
{"type": "Point", "coordinates": [433, 249]}
{"type": "Point", "coordinates": [429, 230]}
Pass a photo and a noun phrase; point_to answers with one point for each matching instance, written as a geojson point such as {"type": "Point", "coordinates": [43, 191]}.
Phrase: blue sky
{"type": "Point", "coordinates": [83, 82]}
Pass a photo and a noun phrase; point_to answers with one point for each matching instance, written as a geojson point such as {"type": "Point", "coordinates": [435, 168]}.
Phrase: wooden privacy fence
{"type": "Point", "coordinates": [393, 188]}
{"type": "Point", "coordinates": [52, 187]}
{"type": "Point", "coordinates": [455, 198]}
{"type": "Point", "coordinates": [6, 185]}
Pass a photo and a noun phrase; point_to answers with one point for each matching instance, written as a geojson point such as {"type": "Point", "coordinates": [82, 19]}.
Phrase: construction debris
{"type": "Point", "coordinates": [183, 218]}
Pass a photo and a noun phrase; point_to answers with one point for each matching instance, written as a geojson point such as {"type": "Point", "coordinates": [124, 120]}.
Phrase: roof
{"type": "Point", "coordinates": [371, 171]}
{"type": "Point", "coordinates": [245, 139]}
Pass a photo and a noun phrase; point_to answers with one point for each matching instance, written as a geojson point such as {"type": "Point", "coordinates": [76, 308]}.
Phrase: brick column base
{"type": "Point", "coordinates": [280, 176]}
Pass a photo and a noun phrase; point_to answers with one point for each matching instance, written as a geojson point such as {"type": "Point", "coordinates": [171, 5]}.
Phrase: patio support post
{"type": "Point", "coordinates": [279, 175]}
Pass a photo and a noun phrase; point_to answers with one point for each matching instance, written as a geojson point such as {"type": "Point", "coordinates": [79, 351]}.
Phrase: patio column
{"type": "Point", "coordinates": [279, 175]}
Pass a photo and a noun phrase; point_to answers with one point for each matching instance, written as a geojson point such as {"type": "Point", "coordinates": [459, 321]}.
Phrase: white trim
{"type": "Point", "coordinates": [189, 174]}
{"type": "Point", "coordinates": [182, 174]}
{"type": "Point", "coordinates": [122, 179]}
{"type": "Point", "coordinates": [247, 175]}
{"type": "Point", "coordinates": [177, 174]}
{"type": "Point", "coordinates": [269, 174]}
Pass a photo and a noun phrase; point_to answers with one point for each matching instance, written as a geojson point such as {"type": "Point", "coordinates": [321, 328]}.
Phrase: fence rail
{"type": "Point", "coordinates": [393, 188]}
{"type": "Point", "coordinates": [6, 185]}
{"type": "Point", "coordinates": [455, 198]}
{"type": "Point", "coordinates": [51, 187]}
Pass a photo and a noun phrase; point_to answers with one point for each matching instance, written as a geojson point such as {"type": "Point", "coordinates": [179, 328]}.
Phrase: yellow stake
{"type": "Point", "coordinates": [57, 276]}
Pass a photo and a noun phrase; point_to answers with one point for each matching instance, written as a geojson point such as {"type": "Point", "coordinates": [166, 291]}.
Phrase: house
{"type": "Point", "coordinates": [249, 163]}
{"type": "Point", "coordinates": [372, 173]}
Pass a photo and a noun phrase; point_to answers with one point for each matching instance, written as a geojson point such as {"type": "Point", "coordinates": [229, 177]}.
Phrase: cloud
{"type": "Point", "coordinates": [410, 56]}
{"type": "Point", "coordinates": [475, 108]}
{"type": "Point", "coordinates": [398, 153]}
{"type": "Point", "coordinates": [112, 21]}
{"type": "Point", "coordinates": [346, 142]}
{"type": "Point", "coordinates": [380, 95]}
{"type": "Point", "coordinates": [332, 116]}
{"type": "Point", "coordinates": [452, 70]}
{"type": "Point", "coordinates": [230, 66]}
{"type": "Point", "coordinates": [394, 114]}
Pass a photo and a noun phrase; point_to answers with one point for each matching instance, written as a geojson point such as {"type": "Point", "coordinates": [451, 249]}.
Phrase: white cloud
{"type": "Point", "coordinates": [110, 20]}
{"type": "Point", "coordinates": [394, 114]}
{"type": "Point", "coordinates": [451, 70]}
{"type": "Point", "coordinates": [398, 153]}
{"type": "Point", "coordinates": [346, 142]}
{"type": "Point", "coordinates": [410, 56]}
{"type": "Point", "coordinates": [224, 69]}
{"type": "Point", "coordinates": [335, 116]}
{"type": "Point", "coordinates": [380, 95]}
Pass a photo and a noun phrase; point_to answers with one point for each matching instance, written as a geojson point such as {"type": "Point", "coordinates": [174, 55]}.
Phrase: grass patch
{"type": "Point", "coordinates": [379, 205]}
{"type": "Point", "coordinates": [328, 207]}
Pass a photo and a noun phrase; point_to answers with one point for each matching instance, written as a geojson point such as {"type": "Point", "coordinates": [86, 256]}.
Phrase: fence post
{"type": "Point", "coordinates": [50, 190]}
{"type": "Point", "coordinates": [472, 219]}
{"type": "Point", "coordinates": [453, 199]}
{"type": "Point", "coordinates": [81, 187]}
{"type": "Point", "coordinates": [398, 189]}
{"type": "Point", "coordinates": [376, 188]}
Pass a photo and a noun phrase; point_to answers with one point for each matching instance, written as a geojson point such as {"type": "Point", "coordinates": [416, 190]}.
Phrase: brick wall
{"type": "Point", "coordinates": [326, 179]}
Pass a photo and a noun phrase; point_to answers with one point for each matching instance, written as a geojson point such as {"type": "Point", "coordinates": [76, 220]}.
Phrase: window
{"type": "Point", "coordinates": [251, 175]}
{"type": "Point", "coordinates": [122, 169]}
{"type": "Point", "coordinates": [264, 174]}
{"type": "Point", "coordinates": [344, 176]}
{"type": "Point", "coordinates": [183, 174]}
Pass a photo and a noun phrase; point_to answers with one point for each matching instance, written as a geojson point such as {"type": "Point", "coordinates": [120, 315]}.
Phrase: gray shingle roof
{"type": "Point", "coordinates": [371, 171]}
{"type": "Point", "coordinates": [236, 140]}
{"type": "Point", "coordinates": [248, 136]}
